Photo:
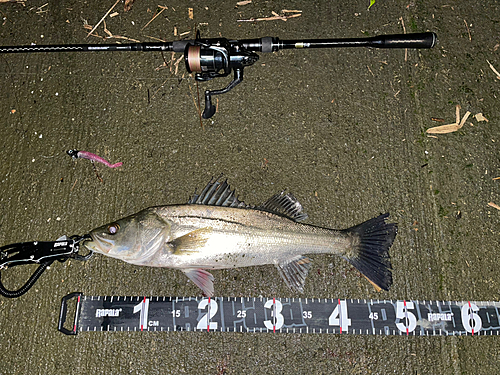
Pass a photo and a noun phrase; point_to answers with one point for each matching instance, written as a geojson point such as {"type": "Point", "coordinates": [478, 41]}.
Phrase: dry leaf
{"type": "Point", "coordinates": [479, 117]}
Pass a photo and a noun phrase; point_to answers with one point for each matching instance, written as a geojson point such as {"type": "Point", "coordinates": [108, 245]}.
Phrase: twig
{"type": "Point", "coordinates": [158, 39]}
{"type": "Point", "coordinates": [491, 204]}
{"type": "Point", "coordinates": [102, 19]}
{"type": "Point", "coordinates": [468, 30]}
{"type": "Point", "coordinates": [194, 101]}
{"type": "Point", "coordinates": [156, 15]}
{"type": "Point", "coordinates": [72, 187]}
{"type": "Point", "coordinates": [176, 64]}
{"type": "Point", "coordinates": [404, 31]}
{"type": "Point", "coordinates": [199, 105]}
{"type": "Point", "coordinates": [494, 70]}
{"type": "Point", "coordinates": [274, 18]}
{"type": "Point", "coordinates": [450, 128]}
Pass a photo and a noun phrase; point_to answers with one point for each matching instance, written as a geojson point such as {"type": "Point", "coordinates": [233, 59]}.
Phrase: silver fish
{"type": "Point", "coordinates": [215, 230]}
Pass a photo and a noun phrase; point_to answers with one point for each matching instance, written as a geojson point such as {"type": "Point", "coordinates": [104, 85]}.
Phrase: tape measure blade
{"type": "Point", "coordinates": [415, 318]}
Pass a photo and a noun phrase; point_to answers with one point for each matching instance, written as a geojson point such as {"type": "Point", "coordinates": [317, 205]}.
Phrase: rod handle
{"type": "Point", "coordinates": [417, 40]}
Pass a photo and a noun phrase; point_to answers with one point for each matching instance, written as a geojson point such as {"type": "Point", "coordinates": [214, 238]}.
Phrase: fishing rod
{"type": "Point", "coordinates": [218, 57]}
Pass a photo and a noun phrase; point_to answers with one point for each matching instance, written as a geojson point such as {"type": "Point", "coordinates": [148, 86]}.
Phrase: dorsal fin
{"type": "Point", "coordinates": [285, 205]}
{"type": "Point", "coordinates": [217, 193]}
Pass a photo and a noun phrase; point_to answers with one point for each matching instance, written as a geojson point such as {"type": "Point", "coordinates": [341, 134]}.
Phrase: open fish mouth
{"type": "Point", "coordinates": [99, 245]}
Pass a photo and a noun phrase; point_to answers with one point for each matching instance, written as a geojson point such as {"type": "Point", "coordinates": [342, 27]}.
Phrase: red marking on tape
{"type": "Point", "coordinates": [340, 316]}
{"type": "Point", "coordinates": [74, 326]}
{"type": "Point", "coordinates": [274, 313]}
{"type": "Point", "coordinates": [208, 315]}
{"type": "Point", "coordinates": [143, 301]}
{"type": "Point", "coordinates": [406, 318]}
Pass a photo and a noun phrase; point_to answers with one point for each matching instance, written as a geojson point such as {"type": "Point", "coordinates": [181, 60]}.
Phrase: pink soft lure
{"type": "Point", "coordinates": [75, 154]}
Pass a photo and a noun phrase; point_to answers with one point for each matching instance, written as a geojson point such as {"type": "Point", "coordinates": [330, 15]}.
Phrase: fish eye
{"type": "Point", "coordinates": [113, 228]}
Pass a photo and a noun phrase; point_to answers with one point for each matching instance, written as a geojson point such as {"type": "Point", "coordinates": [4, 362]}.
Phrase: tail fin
{"type": "Point", "coordinates": [370, 253]}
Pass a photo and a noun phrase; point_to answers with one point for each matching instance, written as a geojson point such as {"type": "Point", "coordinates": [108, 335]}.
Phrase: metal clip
{"type": "Point", "coordinates": [42, 253]}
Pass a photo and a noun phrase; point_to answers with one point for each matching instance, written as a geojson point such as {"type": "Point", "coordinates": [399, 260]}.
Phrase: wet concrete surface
{"type": "Point", "coordinates": [344, 130]}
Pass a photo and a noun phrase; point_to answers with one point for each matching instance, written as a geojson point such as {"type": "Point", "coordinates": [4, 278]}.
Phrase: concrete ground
{"type": "Point", "coordinates": [344, 130]}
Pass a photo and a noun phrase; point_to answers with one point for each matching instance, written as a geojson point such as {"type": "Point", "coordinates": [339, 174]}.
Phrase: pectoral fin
{"type": "Point", "coordinates": [203, 280]}
{"type": "Point", "coordinates": [294, 271]}
{"type": "Point", "coordinates": [191, 242]}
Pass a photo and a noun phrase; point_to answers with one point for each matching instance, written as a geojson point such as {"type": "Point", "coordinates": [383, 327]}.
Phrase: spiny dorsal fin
{"type": "Point", "coordinates": [285, 205]}
{"type": "Point", "coordinates": [217, 193]}
{"type": "Point", "coordinates": [294, 271]}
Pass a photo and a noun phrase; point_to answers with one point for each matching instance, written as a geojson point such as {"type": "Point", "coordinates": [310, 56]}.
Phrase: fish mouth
{"type": "Point", "coordinates": [99, 245]}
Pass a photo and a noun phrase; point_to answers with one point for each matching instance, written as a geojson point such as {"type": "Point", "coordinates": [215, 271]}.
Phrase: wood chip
{"type": "Point", "coordinates": [114, 14]}
{"type": "Point", "coordinates": [191, 13]}
{"type": "Point", "coordinates": [491, 204]}
{"type": "Point", "coordinates": [457, 112]}
{"type": "Point", "coordinates": [496, 178]}
{"type": "Point", "coordinates": [479, 117]}
{"type": "Point", "coordinates": [243, 2]}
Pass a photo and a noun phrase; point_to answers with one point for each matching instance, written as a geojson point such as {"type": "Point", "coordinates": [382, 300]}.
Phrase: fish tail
{"type": "Point", "coordinates": [369, 252]}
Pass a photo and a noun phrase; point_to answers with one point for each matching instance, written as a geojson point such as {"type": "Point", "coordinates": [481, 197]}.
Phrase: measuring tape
{"type": "Point", "coordinates": [280, 315]}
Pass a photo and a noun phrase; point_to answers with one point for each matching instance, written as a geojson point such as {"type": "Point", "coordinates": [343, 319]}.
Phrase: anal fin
{"type": "Point", "coordinates": [203, 280]}
{"type": "Point", "coordinates": [294, 271]}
